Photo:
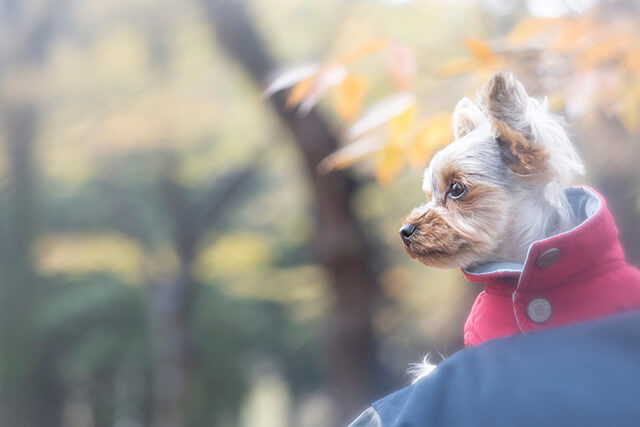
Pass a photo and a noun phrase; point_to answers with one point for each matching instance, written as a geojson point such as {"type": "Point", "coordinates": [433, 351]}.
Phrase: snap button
{"type": "Point", "coordinates": [548, 258]}
{"type": "Point", "coordinates": [539, 310]}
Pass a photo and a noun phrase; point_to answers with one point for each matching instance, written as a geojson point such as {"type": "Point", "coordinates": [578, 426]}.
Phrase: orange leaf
{"type": "Point", "coordinates": [299, 91]}
{"type": "Point", "coordinates": [478, 48]}
{"type": "Point", "coordinates": [348, 96]}
{"type": "Point", "coordinates": [602, 52]}
{"type": "Point", "coordinates": [528, 28]}
{"type": "Point", "coordinates": [306, 93]}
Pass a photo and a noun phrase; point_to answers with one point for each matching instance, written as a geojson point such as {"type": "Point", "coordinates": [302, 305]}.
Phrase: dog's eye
{"type": "Point", "coordinates": [456, 190]}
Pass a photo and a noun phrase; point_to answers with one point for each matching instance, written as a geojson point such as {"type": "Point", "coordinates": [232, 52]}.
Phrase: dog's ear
{"type": "Point", "coordinates": [505, 102]}
{"type": "Point", "coordinates": [466, 117]}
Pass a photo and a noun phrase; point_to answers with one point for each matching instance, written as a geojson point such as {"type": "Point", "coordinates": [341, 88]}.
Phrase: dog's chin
{"type": "Point", "coordinates": [439, 258]}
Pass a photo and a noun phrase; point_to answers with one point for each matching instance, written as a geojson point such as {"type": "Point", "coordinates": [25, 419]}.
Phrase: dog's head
{"type": "Point", "coordinates": [498, 186]}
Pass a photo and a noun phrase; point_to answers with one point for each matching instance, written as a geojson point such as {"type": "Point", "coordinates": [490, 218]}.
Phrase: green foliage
{"type": "Point", "coordinates": [235, 335]}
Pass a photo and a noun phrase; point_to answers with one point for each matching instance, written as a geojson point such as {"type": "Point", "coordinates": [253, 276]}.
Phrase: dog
{"type": "Point", "coordinates": [498, 186]}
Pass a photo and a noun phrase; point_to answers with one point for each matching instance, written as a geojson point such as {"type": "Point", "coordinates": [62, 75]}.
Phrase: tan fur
{"type": "Point", "coordinates": [520, 155]}
{"type": "Point", "coordinates": [434, 240]}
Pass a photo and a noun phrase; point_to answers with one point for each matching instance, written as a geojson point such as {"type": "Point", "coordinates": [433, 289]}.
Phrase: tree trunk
{"type": "Point", "coordinates": [338, 242]}
{"type": "Point", "coordinates": [171, 350]}
{"type": "Point", "coordinates": [170, 304]}
{"type": "Point", "coordinates": [169, 308]}
{"type": "Point", "coordinates": [29, 390]}
{"type": "Point", "coordinates": [18, 294]}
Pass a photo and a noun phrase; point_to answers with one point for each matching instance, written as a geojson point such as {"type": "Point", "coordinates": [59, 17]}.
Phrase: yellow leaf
{"type": "Point", "coordinates": [390, 162]}
{"type": "Point", "coordinates": [432, 134]}
{"type": "Point", "coordinates": [70, 254]}
{"type": "Point", "coordinates": [478, 48]}
{"type": "Point", "coordinates": [399, 125]}
{"type": "Point", "coordinates": [557, 101]}
{"type": "Point", "coordinates": [232, 254]}
{"type": "Point", "coordinates": [457, 66]}
{"type": "Point", "coordinates": [367, 48]}
{"type": "Point", "coordinates": [391, 159]}
{"type": "Point", "coordinates": [349, 94]}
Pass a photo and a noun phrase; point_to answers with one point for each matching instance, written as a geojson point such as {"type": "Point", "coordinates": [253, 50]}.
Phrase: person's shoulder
{"type": "Point", "coordinates": [534, 379]}
{"type": "Point", "coordinates": [369, 418]}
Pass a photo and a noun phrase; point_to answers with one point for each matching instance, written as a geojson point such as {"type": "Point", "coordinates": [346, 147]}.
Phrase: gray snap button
{"type": "Point", "coordinates": [539, 310]}
{"type": "Point", "coordinates": [548, 258]}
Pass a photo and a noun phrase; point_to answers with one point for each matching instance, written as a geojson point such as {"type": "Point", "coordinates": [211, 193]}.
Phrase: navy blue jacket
{"type": "Point", "coordinates": [585, 374]}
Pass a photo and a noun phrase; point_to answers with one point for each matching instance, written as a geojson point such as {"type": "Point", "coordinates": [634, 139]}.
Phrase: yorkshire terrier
{"type": "Point", "coordinates": [498, 186]}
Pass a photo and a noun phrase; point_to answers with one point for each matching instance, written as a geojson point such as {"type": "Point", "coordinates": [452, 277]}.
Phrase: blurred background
{"type": "Point", "coordinates": [199, 200]}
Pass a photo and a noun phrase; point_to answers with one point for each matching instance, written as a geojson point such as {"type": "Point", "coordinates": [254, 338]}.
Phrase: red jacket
{"type": "Point", "coordinates": [566, 278]}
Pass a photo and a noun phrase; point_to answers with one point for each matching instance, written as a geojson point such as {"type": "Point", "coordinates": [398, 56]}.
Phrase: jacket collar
{"type": "Point", "coordinates": [552, 260]}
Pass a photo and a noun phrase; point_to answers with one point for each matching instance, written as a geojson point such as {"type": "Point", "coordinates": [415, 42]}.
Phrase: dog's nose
{"type": "Point", "coordinates": [406, 231]}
